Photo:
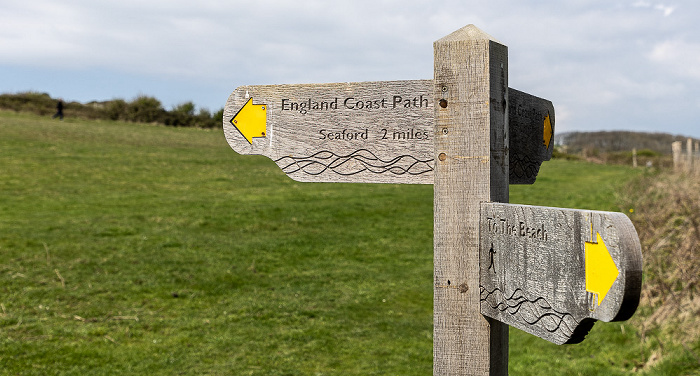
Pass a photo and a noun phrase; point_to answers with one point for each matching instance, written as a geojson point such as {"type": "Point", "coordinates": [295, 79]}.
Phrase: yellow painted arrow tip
{"type": "Point", "coordinates": [251, 120]}
{"type": "Point", "coordinates": [601, 271]}
{"type": "Point", "coordinates": [547, 139]}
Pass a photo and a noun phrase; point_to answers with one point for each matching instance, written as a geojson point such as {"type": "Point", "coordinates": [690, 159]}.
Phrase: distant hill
{"type": "Point", "coordinates": [615, 141]}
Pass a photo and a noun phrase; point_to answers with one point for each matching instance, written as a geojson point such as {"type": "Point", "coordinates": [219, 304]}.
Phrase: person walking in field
{"type": "Point", "coordinates": [59, 110]}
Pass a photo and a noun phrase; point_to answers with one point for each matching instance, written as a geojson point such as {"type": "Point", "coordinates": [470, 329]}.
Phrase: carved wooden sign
{"type": "Point", "coordinates": [378, 132]}
{"type": "Point", "coordinates": [553, 272]}
{"type": "Point", "coordinates": [369, 132]}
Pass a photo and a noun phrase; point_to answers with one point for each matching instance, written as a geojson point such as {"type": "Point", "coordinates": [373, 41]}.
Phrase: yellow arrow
{"type": "Point", "coordinates": [547, 131]}
{"type": "Point", "coordinates": [251, 120]}
{"type": "Point", "coordinates": [601, 271]}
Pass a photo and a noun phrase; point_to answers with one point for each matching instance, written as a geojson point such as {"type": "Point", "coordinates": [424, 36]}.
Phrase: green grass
{"type": "Point", "coordinates": [574, 184]}
{"type": "Point", "coordinates": [139, 249]}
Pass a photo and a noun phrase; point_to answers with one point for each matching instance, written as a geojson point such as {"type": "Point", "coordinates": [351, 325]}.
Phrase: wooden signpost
{"type": "Point", "coordinates": [551, 272]}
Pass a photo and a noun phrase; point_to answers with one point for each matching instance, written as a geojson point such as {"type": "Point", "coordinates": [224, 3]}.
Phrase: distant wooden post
{"type": "Point", "coordinates": [471, 138]}
{"type": "Point", "coordinates": [677, 148]}
{"type": "Point", "coordinates": [689, 156]}
{"type": "Point", "coordinates": [696, 161]}
{"type": "Point", "coordinates": [634, 157]}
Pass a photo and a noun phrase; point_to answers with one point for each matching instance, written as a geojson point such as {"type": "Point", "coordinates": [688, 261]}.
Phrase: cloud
{"type": "Point", "coordinates": [665, 9]}
{"type": "Point", "coordinates": [585, 56]}
{"type": "Point", "coordinates": [678, 57]}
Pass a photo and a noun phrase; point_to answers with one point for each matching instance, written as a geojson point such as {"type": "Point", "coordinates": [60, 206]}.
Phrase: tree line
{"type": "Point", "coordinates": [617, 141]}
{"type": "Point", "coordinates": [142, 109]}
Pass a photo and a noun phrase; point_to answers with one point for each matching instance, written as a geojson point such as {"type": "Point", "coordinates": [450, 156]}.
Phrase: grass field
{"type": "Point", "coordinates": [139, 249]}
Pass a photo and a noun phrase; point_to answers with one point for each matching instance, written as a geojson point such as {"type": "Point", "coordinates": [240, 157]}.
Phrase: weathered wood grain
{"type": "Point", "coordinates": [537, 263]}
{"type": "Point", "coordinates": [471, 77]}
{"type": "Point", "coordinates": [316, 132]}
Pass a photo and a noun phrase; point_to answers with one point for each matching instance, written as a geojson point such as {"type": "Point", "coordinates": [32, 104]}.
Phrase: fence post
{"type": "Point", "coordinates": [677, 148]}
{"type": "Point", "coordinates": [696, 160]}
{"type": "Point", "coordinates": [471, 138]}
{"type": "Point", "coordinates": [689, 157]}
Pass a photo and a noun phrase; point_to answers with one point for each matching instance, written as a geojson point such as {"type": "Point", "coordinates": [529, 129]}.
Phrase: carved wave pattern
{"type": "Point", "coordinates": [533, 312]}
{"type": "Point", "coordinates": [354, 163]}
{"type": "Point", "coordinates": [522, 166]}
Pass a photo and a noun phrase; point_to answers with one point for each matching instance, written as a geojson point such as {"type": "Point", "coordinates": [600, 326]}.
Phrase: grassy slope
{"type": "Point", "coordinates": [180, 257]}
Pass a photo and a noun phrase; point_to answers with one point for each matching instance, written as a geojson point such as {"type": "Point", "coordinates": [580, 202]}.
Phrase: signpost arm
{"type": "Point", "coordinates": [471, 149]}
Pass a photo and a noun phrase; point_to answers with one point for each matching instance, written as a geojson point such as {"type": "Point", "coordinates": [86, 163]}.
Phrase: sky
{"type": "Point", "coordinates": [604, 64]}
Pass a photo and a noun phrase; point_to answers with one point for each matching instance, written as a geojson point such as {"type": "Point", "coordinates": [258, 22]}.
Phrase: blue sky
{"type": "Point", "coordinates": [606, 65]}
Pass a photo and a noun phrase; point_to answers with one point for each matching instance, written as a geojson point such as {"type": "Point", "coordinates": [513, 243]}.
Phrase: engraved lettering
{"type": "Point", "coordinates": [501, 226]}
{"type": "Point", "coordinates": [309, 105]}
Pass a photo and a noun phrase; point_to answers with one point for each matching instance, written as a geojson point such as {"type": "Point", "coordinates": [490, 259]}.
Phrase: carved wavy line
{"type": "Point", "coordinates": [304, 166]}
{"type": "Point", "coordinates": [366, 160]}
{"type": "Point", "coordinates": [524, 166]}
{"type": "Point", "coordinates": [539, 308]}
{"type": "Point", "coordinates": [558, 318]}
{"type": "Point", "coordinates": [325, 154]}
{"type": "Point", "coordinates": [518, 300]}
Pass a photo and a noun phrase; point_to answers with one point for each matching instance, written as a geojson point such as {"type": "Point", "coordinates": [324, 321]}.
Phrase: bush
{"type": "Point", "coordinates": [38, 103]}
{"type": "Point", "coordinates": [647, 153]}
{"type": "Point", "coordinates": [186, 108]}
{"type": "Point", "coordinates": [557, 153]}
{"type": "Point", "coordinates": [219, 116]}
{"type": "Point", "coordinates": [115, 109]}
{"type": "Point", "coordinates": [665, 210]}
{"type": "Point", "coordinates": [206, 120]}
{"type": "Point", "coordinates": [145, 109]}
{"type": "Point", "coordinates": [182, 115]}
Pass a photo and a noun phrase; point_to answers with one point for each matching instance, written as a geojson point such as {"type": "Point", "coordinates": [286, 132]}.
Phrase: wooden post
{"type": "Point", "coordinates": [696, 161]}
{"type": "Point", "coordinates": [471, 138]}
{"type": "Point", "coordinates": [677, 148]}
{"type": "Point", "coordinates": [689, 157]}
{"type": "Point", "coordinates": [634, 157]}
